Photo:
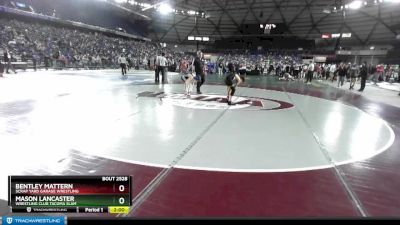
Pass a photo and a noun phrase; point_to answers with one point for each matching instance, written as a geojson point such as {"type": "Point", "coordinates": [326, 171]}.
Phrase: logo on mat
{"type": "Point", "coordinates": [9, 220]}
{"type": "Point", "coordinates": [215, 101]}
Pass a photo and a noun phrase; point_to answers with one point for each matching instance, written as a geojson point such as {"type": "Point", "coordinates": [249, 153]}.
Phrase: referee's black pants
{"type": "Point", "coordinates": [201, 82]}
{"type": "Point", "coordinates": [158, 70]}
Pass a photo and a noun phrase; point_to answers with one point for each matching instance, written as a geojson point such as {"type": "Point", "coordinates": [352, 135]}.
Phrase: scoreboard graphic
{"type": "Point", "coordinates": [69, 194]}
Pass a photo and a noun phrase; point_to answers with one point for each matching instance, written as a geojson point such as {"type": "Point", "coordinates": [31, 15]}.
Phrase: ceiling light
{"type": "Point", "coordinates": [326, 36]}
{"type": "Point", "coordinates": [355, 4]}
{"type": "Point", "coordinates": [327, 11]}
{"type": "Point", "coordinates": [346, 35]}
{"type": "Point", "coordinates": [165, 9]}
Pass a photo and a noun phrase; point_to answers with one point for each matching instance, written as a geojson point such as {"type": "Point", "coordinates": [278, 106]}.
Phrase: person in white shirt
{"type": "Point", "coordinates": [7, 60]}
{"type": "Point", "coordinates": [220, 68]}
{"type": "Point", "coordinates": [98, 62]}
{"type": "Point", "coordinates": [161, 63]}
{"type": "Point", "coordinates": [310, 72]}
{"type": "Point", "coordinates": [332, 70]}
{"type": "Point", "coordinates": [304, 71]}
{"type": "Point", "coordinates": [122, 63]}
{"type": "Point", "coordinates": [327, 71]}
{"type": "Point", "coordinates": [145, 62]}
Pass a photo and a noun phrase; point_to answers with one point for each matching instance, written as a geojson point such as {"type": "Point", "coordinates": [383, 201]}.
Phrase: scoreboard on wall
{"type": "Point", "coordinates": [69, 194]}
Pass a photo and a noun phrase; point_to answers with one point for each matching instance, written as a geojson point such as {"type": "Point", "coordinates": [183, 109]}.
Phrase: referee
{"type": "Point", "coordinates": [161, 63]}
{"type": "Point", "coordinates": [199, 70]}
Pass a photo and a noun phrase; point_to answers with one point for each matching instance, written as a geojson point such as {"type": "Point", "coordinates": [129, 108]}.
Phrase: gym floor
{"type": "Point", "coordinates": [285, 149]}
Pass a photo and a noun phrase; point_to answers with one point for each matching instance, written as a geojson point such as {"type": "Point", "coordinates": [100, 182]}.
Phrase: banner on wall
{"type": "Point", "coordinates": [320, 59]}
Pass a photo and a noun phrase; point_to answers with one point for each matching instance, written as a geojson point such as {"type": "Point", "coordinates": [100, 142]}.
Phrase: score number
{"type": "Point", "coordinates": [121, 200]}
{"type": "Point", "coordinates": [121, 188]}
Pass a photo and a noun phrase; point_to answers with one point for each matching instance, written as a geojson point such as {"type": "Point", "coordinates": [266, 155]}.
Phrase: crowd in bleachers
{"type": "Point", "coordinates": [59, 47]}
{"type": "Point", "coordinates": [257, 64]}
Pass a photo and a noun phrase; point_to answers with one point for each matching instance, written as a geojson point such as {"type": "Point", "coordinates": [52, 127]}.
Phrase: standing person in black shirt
{"type": "Point", "coordinates": [270, 69]}
{"type": "Point", "coordinates": [354, 73]}
{"type": "Point", "coordinates": [35, 59]}
{"type": "Point", "coordinates": [198, 68]}
{"type": "Point", "coordinates": [363, 75]}
{"type": "Point", "coordinates": [1, 69]}
{"type": "Point", "coordinates": [129, 62]}
{"type": "Point", "coordinates": [232, 80]}
{"type": "Point", "coordinates": [342, 72]}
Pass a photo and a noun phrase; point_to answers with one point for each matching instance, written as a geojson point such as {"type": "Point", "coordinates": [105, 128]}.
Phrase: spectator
{"type": "Point", "coordinates": [363, 75]}
{"type": "Point", "coordinates": [7, 60]}
{"type": "Point", "coordinates": [342, 72]}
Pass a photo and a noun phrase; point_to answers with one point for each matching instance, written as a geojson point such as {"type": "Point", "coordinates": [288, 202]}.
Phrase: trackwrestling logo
{"type": "Point", "coordinates": [15, 220]}
{"type": "Point", "coordinates": [214, 101]}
